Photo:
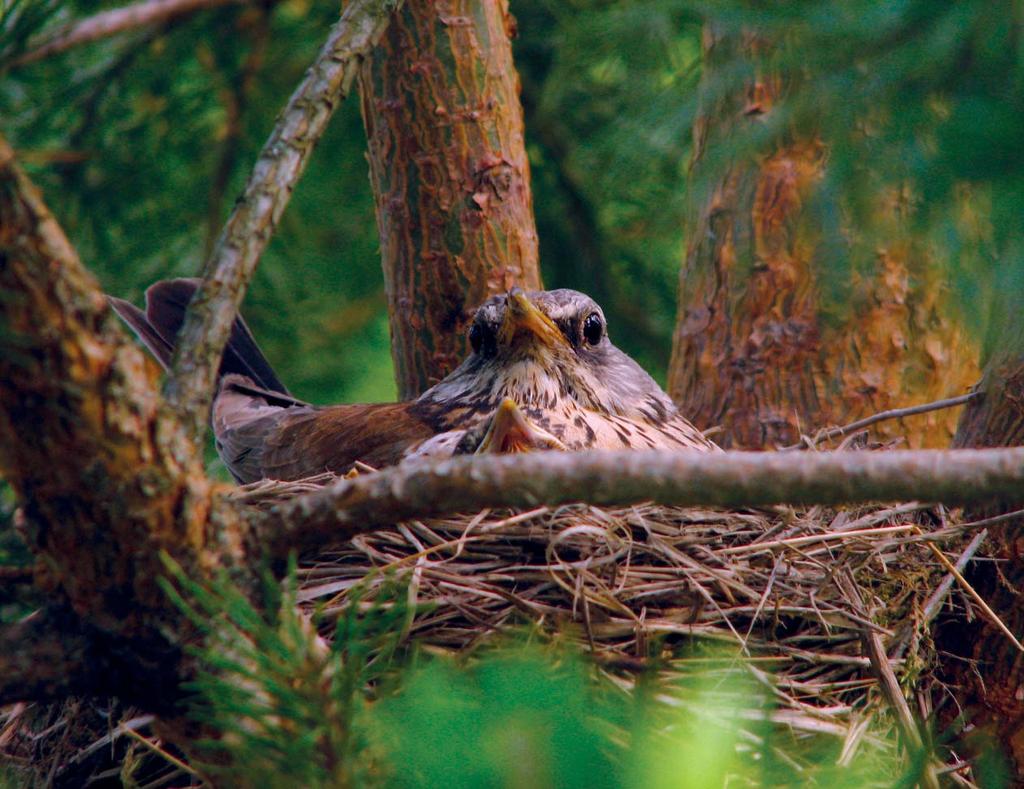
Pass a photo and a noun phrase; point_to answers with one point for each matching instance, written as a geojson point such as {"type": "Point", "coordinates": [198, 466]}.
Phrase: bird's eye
{"type": "Point", "coordinates": [483, 338]}
{"type": "Point", "coordinates": [476, 337]}
{"type": "Point", "coordinates": [593, 329]}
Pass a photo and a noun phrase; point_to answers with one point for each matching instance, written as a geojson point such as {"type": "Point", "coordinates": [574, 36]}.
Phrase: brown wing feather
{"type": "Point", "coordinates": [333, 438]}
{"type": "Point", "coordinates": [270, 436]}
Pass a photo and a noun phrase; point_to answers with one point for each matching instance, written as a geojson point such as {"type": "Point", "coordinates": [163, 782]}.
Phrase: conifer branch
{"type": "Point", "coordinates": [112, 22]}
{"type": "Point", "coordinates": [729, 479]}
{"type": "Point", "coordinates": [226, 274]}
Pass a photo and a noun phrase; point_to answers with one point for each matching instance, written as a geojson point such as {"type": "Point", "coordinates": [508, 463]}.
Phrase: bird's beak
{"type": "Point", "coordinates": [524, 320]}
{"type": "Point", "coordinates": [512, 431]}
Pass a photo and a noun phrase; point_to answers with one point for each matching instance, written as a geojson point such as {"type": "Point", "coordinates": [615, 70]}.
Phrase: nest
{"type": "Point", "coordinates": [821, 602]}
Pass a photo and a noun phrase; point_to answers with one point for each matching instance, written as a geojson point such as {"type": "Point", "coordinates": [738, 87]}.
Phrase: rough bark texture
{"type": "Point", "coordinates": [247, 232]}
{"type": "Point", "coordinates": [732, 479]}
{"type": "Point", "coordinates": [107, 478]}
{"type": "Point", "coordinates": [440, 100]}
{"type": "Point", "coordinates": [754, 351]}
{"type": "Point", "coordinates": [996, 418]}
{"type": "Point", "coordinates": [46, 658]}
{"type": "Point", "coordinates": [985, 670]}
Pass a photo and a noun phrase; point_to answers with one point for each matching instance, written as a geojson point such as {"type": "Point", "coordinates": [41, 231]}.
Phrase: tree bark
{"type": "Point", "coordinates": [440, 100]}
{"type": "Point", "coordinates": [979, 662]}
{"type": "Point", "coordinates": [755, 351]}
{"type": "Point", "coordinates": [996, 418]}
{"type": "Point", "coordinates": [109, 480]}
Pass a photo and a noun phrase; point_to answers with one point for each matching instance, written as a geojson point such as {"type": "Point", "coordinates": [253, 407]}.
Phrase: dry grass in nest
{"type": "Point", "coordinates": [800, 592]}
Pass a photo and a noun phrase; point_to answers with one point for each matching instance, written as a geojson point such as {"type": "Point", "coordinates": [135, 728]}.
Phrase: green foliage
{"type": "Point", "coordinates": [516, 719]}
{"type": "Point", "coordinates": [16, 599]}
{"type": "Point", "coordinates": [19, 21]}
{"type": "Point", "coordinates": [285, 705]}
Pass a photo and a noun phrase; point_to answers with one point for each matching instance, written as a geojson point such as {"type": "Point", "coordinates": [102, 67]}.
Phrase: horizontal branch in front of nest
{"type": "Point", "coordinates": [641, 585]}
{"type": "Point", "coordinates": [351, 506]}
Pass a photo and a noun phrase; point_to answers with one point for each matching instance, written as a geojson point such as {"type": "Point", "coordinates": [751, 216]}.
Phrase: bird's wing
{"type": "Point", "coordinates": [681, 433]}
{"type": "Point", "coordinates": [260, 439]}
{"type": "Point", "coordinates": [333, 438]}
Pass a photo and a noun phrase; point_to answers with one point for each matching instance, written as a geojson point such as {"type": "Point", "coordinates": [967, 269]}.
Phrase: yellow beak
{"type": "Point", "coordinates": [523, 320]}
{"type": "Point", "coordinates": [511, 430]}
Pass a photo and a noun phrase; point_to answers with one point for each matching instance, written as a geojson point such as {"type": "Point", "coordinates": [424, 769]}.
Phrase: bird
{"type": "Point", "coordinates": [542, 374]}
{"type": "Point", "coordinates": [549, 352]}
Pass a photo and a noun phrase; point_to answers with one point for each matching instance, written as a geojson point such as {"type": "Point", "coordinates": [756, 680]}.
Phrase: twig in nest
{"type": "Point", "coordinates": [984, 523]}
{"type": "Point", "coordinates": [888, 683]}
{"type": "Point", "coordinates": [812, 538]}
{"type": "Point", "coordinates": [163, 754]}
{"type": "Point", "coordinates": [893, 413]}
{"type": "Point", "coordinates": [992, 615]}
{"type": "Point", "coordinates": [931, 607]}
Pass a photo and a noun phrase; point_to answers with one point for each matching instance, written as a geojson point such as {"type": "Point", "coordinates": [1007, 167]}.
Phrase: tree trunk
{"type": "Point", "coordinates": [984, 670]}
{"type": "Point", "coordinates": [110, 482]}
{"type": "Point", "coordinates": [753, 351]}
{"type": "Point", "coordinates": [440, 100]}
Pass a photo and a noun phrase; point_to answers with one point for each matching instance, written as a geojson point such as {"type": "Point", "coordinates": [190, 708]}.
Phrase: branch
{"type": "Point", "coordinates": [255, 216]}
{"type": "Point", "coordinates": [45, 657]}
{"type": "Point", "coordinates": [882, 416]}
{"type": "Point", "coordinates": [27, 207]}
{"type": "Point", "coordinates": [729, 479]}
{"type": "Point", "coordinates": [117, 20]}
{"type": "Point", "coordinates": [107, 478]}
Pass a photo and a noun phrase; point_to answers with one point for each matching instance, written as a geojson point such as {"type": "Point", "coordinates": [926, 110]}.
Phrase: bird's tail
{"type": "Point", "coordinates": [158, 327]}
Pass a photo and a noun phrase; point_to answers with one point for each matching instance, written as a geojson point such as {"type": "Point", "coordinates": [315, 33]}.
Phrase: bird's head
{"type": "Point", "coordinates": [539, 347]}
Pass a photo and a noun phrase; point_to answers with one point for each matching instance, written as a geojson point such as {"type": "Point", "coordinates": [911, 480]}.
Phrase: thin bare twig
{"type": "Point", "coordinates": [894, 413]}
{"type": "Point", "coordinates": [985, 523]}
{"type": "Point", "coordinates": [808, 539]}
{"type": "Point", "coordinates": [161, 752]}
{"type": "Point", "coordinates": [938, 597]}
{"type": "Point", "coordinates": [112, 22]}
{"type": "Point", "coordinates": [284, 156]}
{"type": "Point", "coordinates": [729, 479]}
{"type": "Point", "coordinates": [992, 615]}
